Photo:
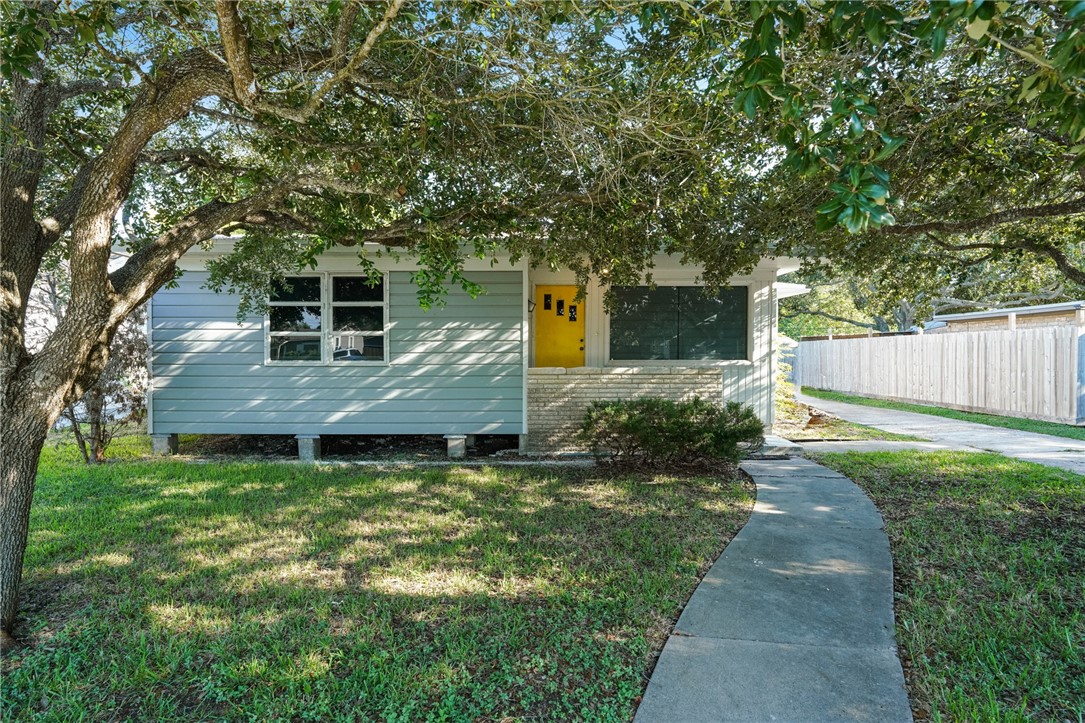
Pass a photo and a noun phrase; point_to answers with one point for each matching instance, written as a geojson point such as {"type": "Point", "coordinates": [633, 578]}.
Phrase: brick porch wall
{"type": "Point", "coordinates": [558, 398]}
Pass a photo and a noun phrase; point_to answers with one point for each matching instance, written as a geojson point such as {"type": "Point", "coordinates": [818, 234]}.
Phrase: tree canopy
{"type": "Point", "coordinates": [590, 135]}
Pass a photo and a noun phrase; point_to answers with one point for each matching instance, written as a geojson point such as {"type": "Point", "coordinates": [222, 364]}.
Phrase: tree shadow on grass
{"type": "Point", "coordinates": [172, 590]}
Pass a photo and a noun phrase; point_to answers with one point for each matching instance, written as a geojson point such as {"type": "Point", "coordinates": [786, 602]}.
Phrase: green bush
{"type": "Point", "coordinates": [661, 431]}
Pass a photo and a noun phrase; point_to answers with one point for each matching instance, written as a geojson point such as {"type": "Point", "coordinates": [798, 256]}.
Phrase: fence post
{"type": "Point", "coordinates": [1079, 364]}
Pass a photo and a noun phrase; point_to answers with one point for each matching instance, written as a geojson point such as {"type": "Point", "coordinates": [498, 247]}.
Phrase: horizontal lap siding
{"type": "Point", "coordinates": [452, 370]}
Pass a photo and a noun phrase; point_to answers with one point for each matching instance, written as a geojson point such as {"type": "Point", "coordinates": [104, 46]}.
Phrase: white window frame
{"type": "Point", "coordinates": [332, 336]}
{"type": "Point", "coordinates": [664, 281]}
{"type": "Point", "coordinates": [327, 335]}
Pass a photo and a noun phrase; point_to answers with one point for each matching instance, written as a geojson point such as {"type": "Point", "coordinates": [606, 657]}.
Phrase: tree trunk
{"type": "Point", "coordinates": [23, 429]}
{"type": "Point", "coordinates": [96, 442]}
{"type": "Point", "coordinates": [77, 432]}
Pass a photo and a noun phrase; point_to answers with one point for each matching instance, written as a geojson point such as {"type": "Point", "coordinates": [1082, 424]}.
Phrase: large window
{"type": "Point", "coordinates": [327, 318]}
{"type": "Point", "coordinates": [679, 322]}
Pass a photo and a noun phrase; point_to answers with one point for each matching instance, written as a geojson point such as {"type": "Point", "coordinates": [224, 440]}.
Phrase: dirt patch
{"type": "Point", "coordinates": [339, 446]}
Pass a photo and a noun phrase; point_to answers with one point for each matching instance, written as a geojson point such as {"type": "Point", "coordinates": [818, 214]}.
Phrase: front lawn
{"type": "Point", "coordinates": [257, 591]}
{"type": "Point", "coordinates": [989, 559]}
{"type": "Point", "coordinates": [993, 420]}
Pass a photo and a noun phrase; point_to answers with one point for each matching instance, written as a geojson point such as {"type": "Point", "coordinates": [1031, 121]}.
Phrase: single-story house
{"type": "Point", "coordinates": [341, 354]}
{"type": "Point", "coordinates": [1067, 313]}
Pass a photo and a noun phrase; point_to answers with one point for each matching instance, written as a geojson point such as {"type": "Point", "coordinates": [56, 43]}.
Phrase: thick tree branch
{"type": "Point", "coordinates": [235, 44]}
{"type": "Point", "coordinates": [1041, 248]}
{"type": "Point", "coordinates": [153, 265]}
{"type": "Point", "coordinates": [1068, 208]}
{"type": "Point", "coordinates": [192, 76]}
{"type": "Point", "coordinates": [316, 99]}
{"type": "Point", "coordinates": [87, 86]}
{"type": "Point", "coordinates": [825, 315]}
{"type": "Point", "coordinates": [189, 158]}
{"type": "Point", "coordinates": [1062, 261]}
{"type": "Point", "coordinates": [239, 60]}
{"type": "Point", "coordinates": [358, 58]}
{"type": "Point", "coordinates": [347, 16]}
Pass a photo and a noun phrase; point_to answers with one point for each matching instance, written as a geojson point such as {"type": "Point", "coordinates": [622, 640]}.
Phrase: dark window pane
{"type": "Point", "coordinates": [295, 318]}
{"type": "Point", "coordinates": [712, 327]}
{"type": "Point", "coordinates": [374, 348]}
{"type": "Point", "coordinates": [679, 322]}
{"type": "Point", "coordinates": [297, 288]}
{"type": "Point", "coordinates": [294, 348]}
{"type": "Point", "coordinates": [357, 318]}
{"type": "Point", "coordinates": [356, 288]}
{"type": "Point", "coordinates": [644, 324]}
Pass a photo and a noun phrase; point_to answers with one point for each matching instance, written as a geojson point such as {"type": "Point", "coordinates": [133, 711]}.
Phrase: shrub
{"type": "Point", "coordinates": [661, 431]}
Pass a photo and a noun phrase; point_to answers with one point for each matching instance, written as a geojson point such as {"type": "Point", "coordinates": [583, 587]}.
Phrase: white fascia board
{"type": "Point", "coordinates": [345, 259]}
{"type": "Point", "coordinates": [785, 290]}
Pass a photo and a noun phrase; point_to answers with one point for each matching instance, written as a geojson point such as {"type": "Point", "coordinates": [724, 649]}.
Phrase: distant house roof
{"type": "Point", "coordinates": [1019, 310]}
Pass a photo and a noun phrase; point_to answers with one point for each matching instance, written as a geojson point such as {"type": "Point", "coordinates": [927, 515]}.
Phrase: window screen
{"type": "Point", "coordinates": [679, 322]}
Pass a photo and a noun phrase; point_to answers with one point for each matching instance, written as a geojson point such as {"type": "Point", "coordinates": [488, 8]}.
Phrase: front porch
{"type": "Point", "coordinates": [557, 397]}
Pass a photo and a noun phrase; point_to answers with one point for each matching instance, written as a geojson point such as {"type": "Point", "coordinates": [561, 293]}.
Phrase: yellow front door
{"type": "Point", "coordinates": [559, 327]}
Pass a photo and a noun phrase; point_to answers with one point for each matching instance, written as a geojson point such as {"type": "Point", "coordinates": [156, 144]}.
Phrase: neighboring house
{"type": "Point", "coordinates": [340, 354]}
{"type": "Point", "coordinates": [1064, 314]}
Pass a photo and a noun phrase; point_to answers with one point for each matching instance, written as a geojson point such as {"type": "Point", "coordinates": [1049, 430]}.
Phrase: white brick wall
{"type": "Point", "coordinates": [558, 398]}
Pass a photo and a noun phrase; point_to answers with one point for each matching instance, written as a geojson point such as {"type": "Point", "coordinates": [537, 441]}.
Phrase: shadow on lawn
{"type": "Point", "coordinates": [227, 588]}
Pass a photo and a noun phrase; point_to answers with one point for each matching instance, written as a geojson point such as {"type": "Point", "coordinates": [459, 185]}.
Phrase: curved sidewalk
{"type": "Point", "coordinates": [794, 622]}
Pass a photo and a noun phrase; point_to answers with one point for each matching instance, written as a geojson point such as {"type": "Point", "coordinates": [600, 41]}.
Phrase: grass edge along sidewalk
{"type": "Point", "coordinates": [160, 590]}
{"type": "Point", "coordinates": [989, 571]}
{"type": "Point", "coordinates": [992, 420]}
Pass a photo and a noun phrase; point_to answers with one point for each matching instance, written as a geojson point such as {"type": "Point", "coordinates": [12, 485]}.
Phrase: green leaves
{"type": "Point", "coordinates": [938, 41]}
{"type": "Point", "coordinates": [978, 28]}
{"type": "Point", "coordinates": [890, 145]}
{"type": "Point", "coordinates": [860, 203]}
{"type": "Point", "coordinates": [21, 39]}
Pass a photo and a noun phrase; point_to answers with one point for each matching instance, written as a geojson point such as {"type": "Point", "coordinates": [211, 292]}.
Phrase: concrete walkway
{"type": "Point", "coordinates": [953, 434]}
{"type": "Point", "coordinates": [794, 622]}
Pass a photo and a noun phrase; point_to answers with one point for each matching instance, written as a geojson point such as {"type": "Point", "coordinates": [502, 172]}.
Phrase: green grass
{"type": "Point", "coordinates": [1025, 425]}
{"type": "Point", "coordinates": [168, 590]}
{"type": "Point", "coordinates": [989, 560]}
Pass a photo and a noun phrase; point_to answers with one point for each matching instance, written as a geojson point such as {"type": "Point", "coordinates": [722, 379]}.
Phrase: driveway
{"type": "Point", "coordinates": [945, 433]}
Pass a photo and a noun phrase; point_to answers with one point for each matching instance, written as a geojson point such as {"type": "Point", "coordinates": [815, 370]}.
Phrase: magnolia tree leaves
{"type": "Point", "coordinates": [820, 72]}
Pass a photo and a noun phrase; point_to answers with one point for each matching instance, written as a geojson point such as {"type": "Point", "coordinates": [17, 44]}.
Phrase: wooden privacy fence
{"type": "Point", "coordinates": [1034, 373]}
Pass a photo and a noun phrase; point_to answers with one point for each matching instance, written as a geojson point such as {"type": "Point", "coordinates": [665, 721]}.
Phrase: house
{"type": "Point", "coordinates": [1067, 313]}
{"type": "Point", "coordinates": [338, 353]}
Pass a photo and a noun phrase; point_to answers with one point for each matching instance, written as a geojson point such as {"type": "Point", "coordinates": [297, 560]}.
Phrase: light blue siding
{"type": "Point", "coordinates": [454, 370]}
